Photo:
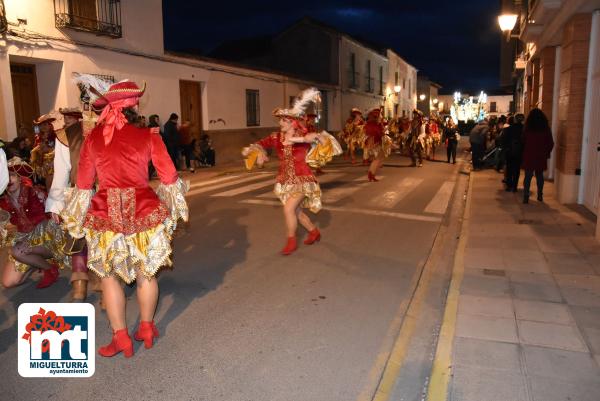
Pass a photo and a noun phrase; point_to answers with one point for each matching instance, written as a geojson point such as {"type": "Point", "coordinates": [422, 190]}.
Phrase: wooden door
{"type": "Point", "coordinates": [84, 12]}
{"type": "Point", "coordinates": [191, 105]}
{"type": "Point", "coordinates": [25, 95]}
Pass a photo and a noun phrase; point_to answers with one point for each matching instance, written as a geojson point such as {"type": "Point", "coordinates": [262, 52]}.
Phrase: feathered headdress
{"type": "Point", "coordinates": [303, 100]}
{"type": "Point", "coordinates": [93, 85]}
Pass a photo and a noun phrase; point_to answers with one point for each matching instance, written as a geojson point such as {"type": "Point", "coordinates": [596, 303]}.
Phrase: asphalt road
{"type": "Point", "coordinates": [238, 321]}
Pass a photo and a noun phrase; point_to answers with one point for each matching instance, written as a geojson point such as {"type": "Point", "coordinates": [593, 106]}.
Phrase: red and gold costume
{"type": "Point", "coordinates": [295, 175]}
{"type": "Point", "coordinates": [353, 133]}
{"type": "Point", "coordinates": [377, 143]}
{"type": "Point", "coordinates": [128, 226]}
{"type": "Point", "coordinates": [42, 155]}
{"type": "Point", "coordinates": [28, 216]}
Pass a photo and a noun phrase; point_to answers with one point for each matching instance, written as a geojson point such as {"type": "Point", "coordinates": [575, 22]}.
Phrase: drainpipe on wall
{"type": "Point", "coordinates": [555, 96]}
{"type": "Point", "coordinates": [587, 111]}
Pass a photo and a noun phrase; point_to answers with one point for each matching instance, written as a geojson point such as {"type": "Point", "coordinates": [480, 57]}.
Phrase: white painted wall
{"type": "Point", "coordinates": [141, 22]}
{"type": "Point", "coordinates": [406, 73]}
{"type": "Point", "coordinates": [502, 104]}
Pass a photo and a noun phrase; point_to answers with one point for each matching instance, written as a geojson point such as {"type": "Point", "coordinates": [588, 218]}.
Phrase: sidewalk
{"type": "Point", "coordinates": [528, 317]}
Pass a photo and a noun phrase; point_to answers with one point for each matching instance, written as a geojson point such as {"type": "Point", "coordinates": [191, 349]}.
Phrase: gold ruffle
{"type": "Point", "coordinates": [77, 203]}
{"type": "Point", "coordinates": [173, 197]}
{"type": "Point", "coordinates": [383, 149]}
{"type": "Point", "coordinates": [125, 255]}
{"type": "Point", "coordinates": [254, 155]}
{"type": "Point", "coordinates": [49, 235]}
{"type": "Point", "coordinates": [310, 190]}
{"type": "Point", "coordinates": [321, 154]}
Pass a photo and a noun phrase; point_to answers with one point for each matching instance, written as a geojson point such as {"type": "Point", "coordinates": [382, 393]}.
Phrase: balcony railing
{"type": "Point", "coordinates": [353, 77]}
{"type": "Point", "coordinates": [102, 17]}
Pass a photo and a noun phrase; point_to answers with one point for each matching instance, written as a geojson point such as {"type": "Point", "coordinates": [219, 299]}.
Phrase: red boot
{"type": "Point", "coordinates": [50, 276]}
{"type": "Point", "coordinates": [290, 246]}
{"type": "Point", "coordinates": [313, 236]}
{"type": "Point", "coordinates": [372, 177]}
{"type": "Point", "coordinates": [120, 342]}
{"type": "Point", "coordinates": [147, 332]}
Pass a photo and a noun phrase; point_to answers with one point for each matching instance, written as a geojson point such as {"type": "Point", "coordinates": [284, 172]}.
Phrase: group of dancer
{"type": "Point", "coordinates": [101, 213]}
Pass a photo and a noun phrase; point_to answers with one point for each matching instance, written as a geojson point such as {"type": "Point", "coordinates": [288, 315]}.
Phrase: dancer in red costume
{"type": "Point", "coordinates": [296, 185]}
{"type": "Point", "coordinates": [353, 133]}
{"type": "Point", "coordinates": [36, 241]}
{"type": "Point", "coordinates": [377, 145]}
{"type": "Point", "coordinates": [127, 225]}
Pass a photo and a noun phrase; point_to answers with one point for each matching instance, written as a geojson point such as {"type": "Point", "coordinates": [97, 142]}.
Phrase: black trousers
{"type": "Point", "coordinates": [477, 150]}
{"type": "Point", "coordinates": [451, 151]}
{"type": "Point", "coordinates": [187, 151]}
{"type": "Point", "coordinates": [513, 171]}
{"type": "Point", "coordinates": [539, 179]}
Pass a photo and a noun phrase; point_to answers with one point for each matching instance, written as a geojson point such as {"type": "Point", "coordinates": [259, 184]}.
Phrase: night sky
{"type": "Point", "coordinates": [455, 43]}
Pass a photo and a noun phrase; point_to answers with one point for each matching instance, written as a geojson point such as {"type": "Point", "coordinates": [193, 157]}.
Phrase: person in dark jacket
{"type": "Point", "coordinates": [478, 138]}
{"type": "Point", "coordinates": [512, 143]}
{"type": "Point", "coordinates": [537, 146]}
{"type": "Point", "coordinates": [171, 138]}
{"type": "Point", "coordinates": [451, 140]}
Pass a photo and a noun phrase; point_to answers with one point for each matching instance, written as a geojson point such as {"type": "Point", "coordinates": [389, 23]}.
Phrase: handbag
{"type": "Point", "coordinates": [73, 246]}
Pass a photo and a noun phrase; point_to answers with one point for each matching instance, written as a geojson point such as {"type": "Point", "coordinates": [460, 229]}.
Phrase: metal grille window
{"type": "Point", "coordinates": [380, 80]}
{"type": "Point", "coordinates": [352, 74]}
{"type": "Point", "coordinates": [369, 81]}
{"type": "Point", "coordinates": [102, 17]}
{"type": "Point", "coordinates": [252, 108]}
{"type": "Point", "coordinates": [492, 107]}
{"type": "Point", "coordinates": [3, 23]}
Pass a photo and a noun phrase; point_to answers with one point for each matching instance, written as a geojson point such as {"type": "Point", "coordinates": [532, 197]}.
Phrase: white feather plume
{"type": "Point", "coordinates": [88, 80]}
{"type": "Point", "coordinates": [306, 97]}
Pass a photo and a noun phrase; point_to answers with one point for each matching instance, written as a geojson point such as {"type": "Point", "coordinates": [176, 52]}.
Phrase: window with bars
{"type": "Point", "coordinates": [493, 107]}
{"type": "Point", "coordinates": [102, 17]}
{"type": "Point", "coordinates": [252, 108]}
{"type": "Point", "coordinates": [381, 80]}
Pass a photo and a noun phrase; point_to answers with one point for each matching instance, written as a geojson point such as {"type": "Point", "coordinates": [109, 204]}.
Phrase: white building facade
{"type": "Point", "coordinates": [401, 91]}
{"type": "Point", "coordinates": [47, 41]}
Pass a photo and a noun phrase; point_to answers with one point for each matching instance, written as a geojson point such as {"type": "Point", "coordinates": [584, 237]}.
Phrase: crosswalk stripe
{"type": "Point", "coordinates": [219, 179]}
{"type": "Point", "coordinates": [246, 188]}
{"type": "Point", "coordinates": [370, 212]}
{"type": "Point", "coordinates": [336, 194]}
{"type": "Point", "coordinates": [389, 199]}
{"type": "Point", "coordinates": [227, 184]}
{"type": "Point", "coordinates": [440, 201]}
{"type": "Point", "coordinates": [322, 179]}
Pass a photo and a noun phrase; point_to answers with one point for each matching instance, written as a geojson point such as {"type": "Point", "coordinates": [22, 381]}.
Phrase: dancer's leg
{"type": "Point", "coordinates": [32, 256]}
{"type": "Point", "coordinates": [11, 277]}
{"type": "Point", "coordinates": [147, 295]}
{"type": "Point", "coordinates": [114, 299]}
{"type": "Point", "coordinates": [304, 219]}
{"type": "Point", "coordinates": [289, 212]}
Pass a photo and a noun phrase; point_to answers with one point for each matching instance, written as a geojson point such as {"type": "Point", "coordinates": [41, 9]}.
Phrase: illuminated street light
{"type": "Point", "coordinates": [435, 101]}
{"type": "Point", "coordinates": [422, 96]}
{"type": "Point", "coordinates": [397, 88]}
{"type": "Point", "coordinates": [507, 22]}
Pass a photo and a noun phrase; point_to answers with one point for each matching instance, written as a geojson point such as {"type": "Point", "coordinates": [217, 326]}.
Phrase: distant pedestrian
{"type": "Point", "coordinates": [478, 138]}
{"type": "Point", "coordinates": [171, 138]}
{"type": "Point", "coordinates": [537, 146]}
{"type": "Point", "coordinates": [186, 141]}
{"type": "Point", "coordinates": [512, 143]}
{"type": "Point", "coordinates": [451, 140]}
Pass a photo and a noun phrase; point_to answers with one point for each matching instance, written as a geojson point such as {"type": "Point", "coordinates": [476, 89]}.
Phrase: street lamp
{"type": "Point", "coordinates": [422, 96]}
{"type": "Point", "coordinates": [435, 101]}
{"type": "Point", "coordinates": [507, 22]}
{"type": "Point", "coordinates": [397, 89]}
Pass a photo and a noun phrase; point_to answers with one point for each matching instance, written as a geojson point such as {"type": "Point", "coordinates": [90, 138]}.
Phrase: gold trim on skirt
{"type": "Point", "coordinates": [310, 190]}
{"type": "Point", "coordinates": [49, 235]}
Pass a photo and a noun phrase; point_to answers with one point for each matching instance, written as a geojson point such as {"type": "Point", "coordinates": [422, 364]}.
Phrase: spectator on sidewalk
{"type": "Point", "coordinates": [512, 142]}
{"type": "Point", "coordinates": [537, 146]}
{"type": "Point", "coordinates": [451, 140]}
{"type": "Point", "coordinates": [154, 122]}
{"type": "Point", "coordinates": [478, 138]}
{"type": "Point", "coordinates": [186, 141]}
{"type": "Point", "coordinates": [206, 151]}
{"type": "Point", "coordinates": [171, 138]}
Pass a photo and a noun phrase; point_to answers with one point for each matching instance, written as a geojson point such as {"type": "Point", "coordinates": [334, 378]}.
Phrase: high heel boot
{"type": "Point", "coordinates": [147, 332]}
{"type": "Point", "coordinates": [120, 342]}
{"type": "Point", "coordinates": [290, 246]}
{"type": "Point", "coordinates": [313, 236]}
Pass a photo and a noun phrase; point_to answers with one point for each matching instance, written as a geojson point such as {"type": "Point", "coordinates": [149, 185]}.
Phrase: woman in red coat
{"type": "Point", "coordinates": [127, 225]}
{"type": "Point", "coordinates": [296, 186]}
{"type": "Point", "coordinates": [537, 145]}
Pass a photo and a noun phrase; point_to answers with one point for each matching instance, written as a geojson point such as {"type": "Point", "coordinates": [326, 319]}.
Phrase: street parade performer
{"type": "Point", "coordinates": [127, 225]}
{"type": "Point", "coordinates": [378, 145]}
{"type": "Point", "coordinates": [416, 139]}
{"type": "Point", "coordinates": [353, 133]}
{"type": "Point", "coordinates": [66, 160]}
{"type": "Point", "coordinates": [35, 240]}
{"type": "Point", "coordinates": [296, 185]}
{"type": "Point", "coordinates": [42, 155]}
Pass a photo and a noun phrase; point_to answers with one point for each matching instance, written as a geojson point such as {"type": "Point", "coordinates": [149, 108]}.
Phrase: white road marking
{"type": "Point", "coordinates": [246, 188]}
{"type": "Point", "coordinates": [336, 194]}
{"type": "Point", "coordinates": [220, 179]}
{"type": "Point", "coordinates": [381, 213]}
{"type": "Point", "coordinates": [227, 184]}
{"type": "Point", "coordinates": [389, 199]}
{"type": "Point", "coordinates": [440, 201]}
{"type": "Point", "coordinates": [322, 179]}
